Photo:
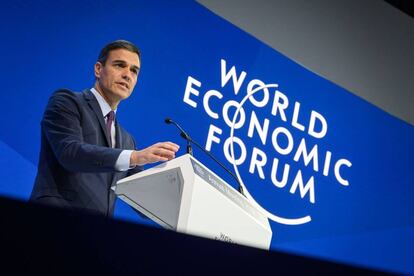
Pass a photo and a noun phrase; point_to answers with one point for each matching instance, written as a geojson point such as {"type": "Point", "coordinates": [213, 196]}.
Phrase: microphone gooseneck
{"type": "Point", "coordinates": [182, 134]}
{"type": "Point", "coordinates": [190, 141]}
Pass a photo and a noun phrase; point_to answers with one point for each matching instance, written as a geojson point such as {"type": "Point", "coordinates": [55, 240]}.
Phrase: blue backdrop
{"type": "Point", "coordinates": [356, 202]}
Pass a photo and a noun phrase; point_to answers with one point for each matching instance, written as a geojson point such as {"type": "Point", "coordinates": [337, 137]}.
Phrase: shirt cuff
{"type": "Point", "coordinates": [123, 162]}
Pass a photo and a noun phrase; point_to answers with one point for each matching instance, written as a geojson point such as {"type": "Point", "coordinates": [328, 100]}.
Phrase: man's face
{"type": "Point", "coordinates": [117, 78]}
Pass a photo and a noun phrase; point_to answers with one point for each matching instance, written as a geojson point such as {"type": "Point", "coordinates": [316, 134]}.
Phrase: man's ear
{"type": "Point", "coordinates": [98, 69]}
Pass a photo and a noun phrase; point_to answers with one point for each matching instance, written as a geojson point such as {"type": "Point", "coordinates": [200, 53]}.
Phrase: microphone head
{"type": "Point", "coordinates": [168, 121]}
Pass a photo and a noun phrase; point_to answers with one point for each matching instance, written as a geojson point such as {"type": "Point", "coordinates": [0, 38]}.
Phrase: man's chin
{"type": "Point", "coordinates": [124, 95]}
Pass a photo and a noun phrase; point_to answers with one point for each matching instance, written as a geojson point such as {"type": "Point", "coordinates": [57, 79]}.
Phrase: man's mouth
{"type": "Point", "coordinates": [123, 84]}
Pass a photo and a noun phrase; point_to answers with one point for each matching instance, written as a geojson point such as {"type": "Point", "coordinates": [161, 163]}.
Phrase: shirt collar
{"type": "Point", "coordinates": [105, 108]}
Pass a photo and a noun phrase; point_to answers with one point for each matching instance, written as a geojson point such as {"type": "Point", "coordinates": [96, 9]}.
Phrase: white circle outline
{"type": "Point", "coordinates": [286, 221]}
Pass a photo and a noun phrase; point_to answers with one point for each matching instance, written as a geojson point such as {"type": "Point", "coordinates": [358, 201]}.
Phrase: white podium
{"type": "Point", "coordinates": [185, 196]}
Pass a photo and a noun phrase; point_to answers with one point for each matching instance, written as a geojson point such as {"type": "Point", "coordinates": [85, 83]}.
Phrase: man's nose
{"type": "Point", "coordinates": [126, 74]}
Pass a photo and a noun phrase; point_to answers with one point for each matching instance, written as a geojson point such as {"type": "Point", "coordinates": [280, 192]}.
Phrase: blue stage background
{"type": "Point", "coordinates": [54, 44]}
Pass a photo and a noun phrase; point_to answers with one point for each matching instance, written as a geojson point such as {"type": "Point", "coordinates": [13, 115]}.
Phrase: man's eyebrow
{"type": "Point", "coordinates": [124, 62]}
{"type": "Point", "coordinates": [119, 61]}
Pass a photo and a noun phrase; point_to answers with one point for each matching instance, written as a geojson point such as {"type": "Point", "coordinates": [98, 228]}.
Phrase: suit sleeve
{"type": "Point", "coordinates": [61, 125]}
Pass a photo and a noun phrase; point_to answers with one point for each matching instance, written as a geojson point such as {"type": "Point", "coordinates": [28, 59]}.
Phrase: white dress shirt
{"type": "Point", "coordinates": [123, 161]}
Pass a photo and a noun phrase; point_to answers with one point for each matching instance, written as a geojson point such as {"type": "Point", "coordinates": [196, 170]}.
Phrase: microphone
{"type": "Point", "coordinates": [190, 141]}
{"type": "Point", "coordinates": [182, 134]}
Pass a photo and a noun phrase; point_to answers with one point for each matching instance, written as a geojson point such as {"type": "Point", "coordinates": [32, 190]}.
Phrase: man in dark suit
{"type": "Point", "coordinates": [84, 150]}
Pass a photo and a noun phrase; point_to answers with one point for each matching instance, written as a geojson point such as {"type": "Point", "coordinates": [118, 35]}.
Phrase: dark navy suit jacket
{"type": "Point", "coordinates": [76, 165]}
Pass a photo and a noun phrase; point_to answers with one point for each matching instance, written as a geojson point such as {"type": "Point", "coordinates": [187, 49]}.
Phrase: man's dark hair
{"type": "Point", "coordinates": [117, 44]}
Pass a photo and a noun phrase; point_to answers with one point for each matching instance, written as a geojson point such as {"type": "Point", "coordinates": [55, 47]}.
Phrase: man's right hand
{"type": "Point", "coordinates": [163, 151]}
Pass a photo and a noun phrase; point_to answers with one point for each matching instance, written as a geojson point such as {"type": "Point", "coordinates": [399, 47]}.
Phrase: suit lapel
{"type": "Point", "coordinates": [94, 105]}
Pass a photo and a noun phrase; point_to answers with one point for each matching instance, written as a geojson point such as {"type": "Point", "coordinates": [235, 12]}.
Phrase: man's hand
{"type": "Point", "coordinates": [163, 151]}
